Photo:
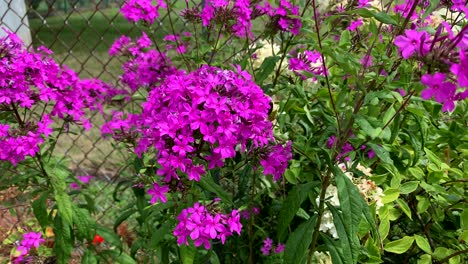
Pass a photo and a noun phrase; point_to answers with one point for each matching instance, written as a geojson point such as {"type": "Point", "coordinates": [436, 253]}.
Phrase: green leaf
{"type": "Point", "coordinates": [423, 244]}
{"type": "Point", "coordinates": [39, 207]}
{"type": "Point", "coordinates": [63, 245]}
{"type": "Point", "coordinates": [433, 157]}
{"type": "Point", "coordinates": [83, 221]}
{"type": "Point", "coordinates": [423, 204]}
{"type": "Point", "coordinates": [267, 67]}
{"type": "Point", "coordinates": [124, 216]}
{"type": "Point", "coordinates": [208, 183]}
{"type": "Point", "coordinates": [385, 18]}
{"type": "Point", "coordinates": [65, 205]}
{"type": "Point", "coordinates": [291, 205]}
{"type": "Point", "coordinates": [109, 236]}
{"type": "Point", "coordinates": [187, 254]}
{"type": "Point", "coordinates": [384, 228]}
{"type": "Point", "coordinates": [425, 259]}
{"type": "Point", "coordinates": [381, 153]}
{"type": "Point", "coordinates": [404, 207]}
{"type": "Point", "coordinates": [158, 235]}
{"type": "Point", "coordinates": [117, 257]}
{"type": "Point", "coordinates": [345, 39]}
{"type": "Point", "coordinates": [399, 246]}
{"type": "Point", "coordinates": [348, 243]}
{"type": "Point", "coordinates": [333, 248]}
{"type": "Point", "coordinates": [299, 241]}
{"type": "Point", "coordinates": [463, 238]}
{"type": "Point", "coordinates": [409, 187]}
{"type": "Point", "coordinates": [390, 195]}
{"type": "Point", "coordinates": [89, 257]}
{"type": "Point", "coordinates": [464, 219]}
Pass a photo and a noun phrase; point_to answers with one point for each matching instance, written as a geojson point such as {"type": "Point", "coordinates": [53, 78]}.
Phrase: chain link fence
{"type": "Point", "coordinates": [80, 33]}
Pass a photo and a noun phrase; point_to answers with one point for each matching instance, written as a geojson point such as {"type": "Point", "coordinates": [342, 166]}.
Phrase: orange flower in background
{"type": "Point", "coordinates": [98, 240]}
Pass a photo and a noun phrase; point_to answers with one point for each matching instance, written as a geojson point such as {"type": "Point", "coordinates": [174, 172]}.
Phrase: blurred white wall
{"type": "Point", "coordinates": [13, 16]}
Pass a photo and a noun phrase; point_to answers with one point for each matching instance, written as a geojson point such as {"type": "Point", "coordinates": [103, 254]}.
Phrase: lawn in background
{"type": "Point", "coordinates": [80, 39]}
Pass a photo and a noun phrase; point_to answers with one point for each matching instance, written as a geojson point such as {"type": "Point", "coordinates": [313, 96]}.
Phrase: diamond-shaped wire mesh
{"type": "Point", "coordinates": [80, 33]}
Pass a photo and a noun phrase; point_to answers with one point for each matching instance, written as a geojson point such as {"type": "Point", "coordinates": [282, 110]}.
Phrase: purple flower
{"type": "Point", "coordinates": [354, 25]}
{"type": "Point", "coordinates": [201, 225]}
{"type": "Point", "coordinates": [413, 42]}
{"type": "Point", "coordinates": [84, 179]}
{"type": "Point", "coordinates": [437, 87]}
{"type": "Point", "coordinates": [75, 186]}
{"type": "Point", "coordinates": [267, 246]}
{"type": "Point", "coordinates": [136, 10]}
{"type": "Point", "coordinates": [460, 70]}
{"type": "Point", "coordinates": [32, 239]}
{"type": "Point", "coordinates": [279, 248]}
{"type": "Point", "coordinates": [158, 193]}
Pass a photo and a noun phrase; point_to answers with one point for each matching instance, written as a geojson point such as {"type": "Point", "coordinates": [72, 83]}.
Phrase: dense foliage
{"type": "Point", "coordinates": [273, 132]}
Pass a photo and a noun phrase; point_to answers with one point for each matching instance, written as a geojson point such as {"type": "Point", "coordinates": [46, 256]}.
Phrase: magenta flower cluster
{"type": "Point", "coordinates": [444, 53]}
{"type": "Point", "coordinates": [283, 15]}
{"type": "Point", "coordinates": [30, 240]}
{"type": "Point", "coordinates": [136, 10]}
{"type": "Point", "coordinates": [240, 12]}
{"type": "Point", "coordinates": [268, 246]}
{"type": "Point", "coordinates": [146, 67]}
{"type": "Point", "coordinates": [309, 61]}
{"type": "Point", "coordinates": [29, 79]}
{"type": "Point", "coordinates": [202, 225]}
{"type": "Point", "coordinates": [197, 120]}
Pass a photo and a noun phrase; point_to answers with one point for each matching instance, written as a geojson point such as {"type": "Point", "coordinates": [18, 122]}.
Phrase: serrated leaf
{"type": "Point", "coordinates": [187, 254]}
{"type": "Point", "coordinates": [63, 245]}
{"type": "Point", "coordinates": [423, 244]}
{"type": "Point", "coordinates": [299, 241]}
{"type": "Point", "coordinates": [65, 205]}
{"type": "Point", "coordinates": [267, 67]}
{"type": "Point", "coordinates": [348, 242]}
{"type": "Point", "coordinates": [83, 221]}
{"type": "Point", "coordinates": [404, 207]}
{"type": "Point", "coordinates": [117, 257]}
{"type": "Point", "coordinates": [208, 183]}
{"type": "Point", "coordinates": [333, 248]}
{"type": "Point", "coordinates": [39, 207]}
{"type": "Point", "coordinates": [399, 246]}
{"type": "Point", "coordinates": [291, 205]}
{"type": "Point", "coordinates": [88, 257]}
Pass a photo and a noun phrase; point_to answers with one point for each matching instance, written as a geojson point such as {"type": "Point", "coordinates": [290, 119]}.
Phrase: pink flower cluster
{"type": "Point", "coordinates": [307, 61]}
{"type": "Point", "coordinates": [29, 79]}
{"type": "Point", "coordinates": [282, 16]}
{"type": "Point", "coordinates": [146, 68]}
{"type": "Point", "coordinates": [202, 225]}
{"type": "Point", "coordinates": [445, 54]}
{"type": "Point", "coordinates": [136, 10]}
{"type": "Point", "coordinates": [268, 246]}
{"type": "Point", "coordinates": [276, 160]}
{"type": "Point", "coordinates": [197, 120]}
{"type": "Point", "coordinates": [30, 240]}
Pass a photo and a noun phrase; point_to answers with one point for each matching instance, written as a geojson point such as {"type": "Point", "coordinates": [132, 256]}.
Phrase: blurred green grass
{"type": "Point", "coordinates": [81, 40]}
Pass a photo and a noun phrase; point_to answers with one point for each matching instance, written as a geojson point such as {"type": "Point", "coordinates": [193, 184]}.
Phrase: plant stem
{"type": "Point", "coordinates": [451, 256]}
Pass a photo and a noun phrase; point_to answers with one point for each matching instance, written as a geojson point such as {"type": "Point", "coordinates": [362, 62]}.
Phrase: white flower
{"type": "Point", "coordinates": [322, 257]}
